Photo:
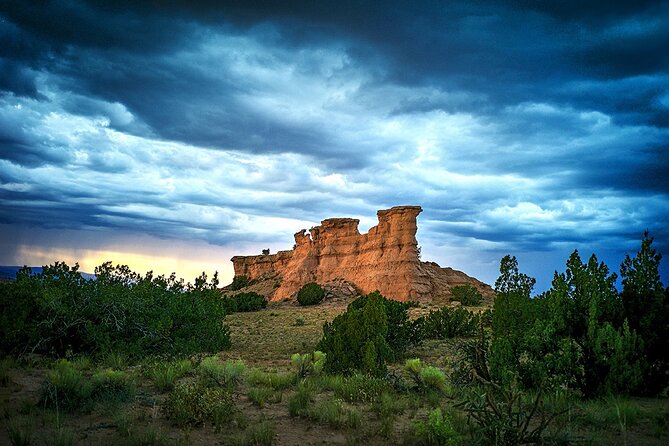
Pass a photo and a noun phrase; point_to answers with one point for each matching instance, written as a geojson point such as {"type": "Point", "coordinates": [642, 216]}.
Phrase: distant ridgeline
{"type": "Point", "coordinates": [8, 273]}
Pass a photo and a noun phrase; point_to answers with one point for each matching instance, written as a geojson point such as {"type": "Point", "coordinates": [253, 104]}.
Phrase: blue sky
{"type": "Point", "coordinates": [170, 136]}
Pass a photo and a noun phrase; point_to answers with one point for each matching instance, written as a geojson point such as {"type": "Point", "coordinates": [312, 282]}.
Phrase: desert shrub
{"type": "Point", "coordinates": [112, 386]}
{"type": "Point", "coordinates": [299, 321]}
{"type": "Point", "coordinates": [504, 415]}
{"type": "Point", "coordinates": [239, 282]}
{"type": "Point", "coordinates": [399, 335]}
{"type": "Point", "coordinates": [466, 295]}
{"type": "Point", "coordinates": [438, 430]}
{"type": "Point", "coordinates": [66, 389]}
{"type": "Point", "coordinates": [356, 339]}
{"type": "Point", "coordinates": [228, 375]}
{"type": "Point", "coordinates": [308, 363]}
{"type": "Point", "coordinates": [244, 302]}
{"type": "Point", "coordinates": [58, 311]}
{"type": "Point", "coordinates": [165, 374]}
{"type": "Point", "coordinates": [192, 404]}
{"type": "Point", "coordinates": [310, 294]}
{"type": "Point", "coordinates": [446, 323]}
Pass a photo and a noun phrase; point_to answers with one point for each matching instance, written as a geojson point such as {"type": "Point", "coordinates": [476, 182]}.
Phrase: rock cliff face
{"type": "Point", "coordinates": [384, 259]}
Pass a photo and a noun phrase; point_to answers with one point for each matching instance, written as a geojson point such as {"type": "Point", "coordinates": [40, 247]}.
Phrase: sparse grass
{"type": "Point", "coordinates": [260, 434]}
{"type": "Point", "coordinates": [228, 375]}
{"type": "Point", "coordinates": [300, 401]}
{"type": "Point", "coordinates": [5, 365]}
{"type": "Point", "coordinates": [112, 386]}
{"type": "Point", "coordinates": [62, 437]}
{"type": "Point", "coordinates": [66, 389]}
{"type": "Point", "coordinates": [261, 395]}
{"type": "Point", "coordinates": [358, 387]}
{"type": "Point", "coordinates": [147, 437]}
{"type": "Point", "coordinates": [20, 432]}
{"type": "Point", "coordinates": [333, 413]}
{"type": "Point", "coordinates": [387, 406]}
{"type": "Point", "coordinates": [274, 380]}
{"type": "Point", "coordinates": [165, 374]}
{"type": "Point", "coordinates": [114, 360]}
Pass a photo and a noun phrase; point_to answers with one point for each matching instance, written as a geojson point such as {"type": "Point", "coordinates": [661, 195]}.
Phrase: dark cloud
{"type": "Point", "coordinates": [517, 125]}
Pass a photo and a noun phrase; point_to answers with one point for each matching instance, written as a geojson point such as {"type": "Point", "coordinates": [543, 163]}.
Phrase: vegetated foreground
{"type": "Point", "coordinates": [554, 369]}
{"type": "Point", "coordinates": [344, 411]}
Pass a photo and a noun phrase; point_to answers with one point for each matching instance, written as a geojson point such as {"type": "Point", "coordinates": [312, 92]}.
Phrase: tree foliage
{"type": "Point", "coordinates": [58, 311]}
{"type": "Point", "coordinates": [356, 339]}
{"type": "Point", "coordinates": [580, 333]}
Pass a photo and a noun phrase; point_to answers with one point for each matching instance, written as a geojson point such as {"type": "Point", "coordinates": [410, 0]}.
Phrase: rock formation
{"type": "Point", "coordinates": [384, 259]}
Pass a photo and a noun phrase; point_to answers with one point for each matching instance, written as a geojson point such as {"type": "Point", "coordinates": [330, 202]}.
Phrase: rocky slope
{"type": "Point", "coordinates": [384, 259]}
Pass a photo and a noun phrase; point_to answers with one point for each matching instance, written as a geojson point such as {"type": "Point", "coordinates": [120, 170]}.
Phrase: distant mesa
{"type": "Point", "coordinates": [384, 259]}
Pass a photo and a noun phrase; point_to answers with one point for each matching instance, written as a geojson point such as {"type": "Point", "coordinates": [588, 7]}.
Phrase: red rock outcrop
{"type": "Point", "coordinates": [384, 259]}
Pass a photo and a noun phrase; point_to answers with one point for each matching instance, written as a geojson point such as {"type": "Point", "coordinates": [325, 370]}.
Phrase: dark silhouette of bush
{"type": "Point", "coordinates": [310, 294]}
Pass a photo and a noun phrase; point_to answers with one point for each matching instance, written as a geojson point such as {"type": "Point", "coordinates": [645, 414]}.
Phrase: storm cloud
{"type": "Point", "coordinates": [521, 127]}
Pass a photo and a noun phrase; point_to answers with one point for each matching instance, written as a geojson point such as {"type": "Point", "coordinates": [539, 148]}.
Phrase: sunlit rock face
{"type": "Point", "coordinates": [384, 259]}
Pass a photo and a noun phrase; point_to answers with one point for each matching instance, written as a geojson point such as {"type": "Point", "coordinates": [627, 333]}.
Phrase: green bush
{"type": "Point", "coordinates": [58, 311]}
{"type": "Point", "coordinates": [466, 295]}
{"type": "Point", "coordinates": [646, 306]}
{"type": "Point", "coordinates": [239, 282]}
{"type": "Point", "coordinates": [400, 329]}
{"type": "Point", "coordinates": [244, 302]}
{"type": "Point", "coordinates": [356, 339]}
{"type": "Point", "coordinates": [192, 404]}
{"type": "Point", "coordinates": [446, 323]}
{"type": "Point", "coordinates": [438, 431]}
{"type": "Point", "coordinates": [310, 294]}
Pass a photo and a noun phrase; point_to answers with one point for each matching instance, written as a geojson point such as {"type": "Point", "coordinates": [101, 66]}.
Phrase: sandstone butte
{"type": "Point", "coordinates": [384, 259]}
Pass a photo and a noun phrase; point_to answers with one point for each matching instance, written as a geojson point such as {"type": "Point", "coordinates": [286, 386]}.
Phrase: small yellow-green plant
{"type": "Point", "coordinates": [308, 363]}
{"type": "Point", "coordinates": [426, 377]}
